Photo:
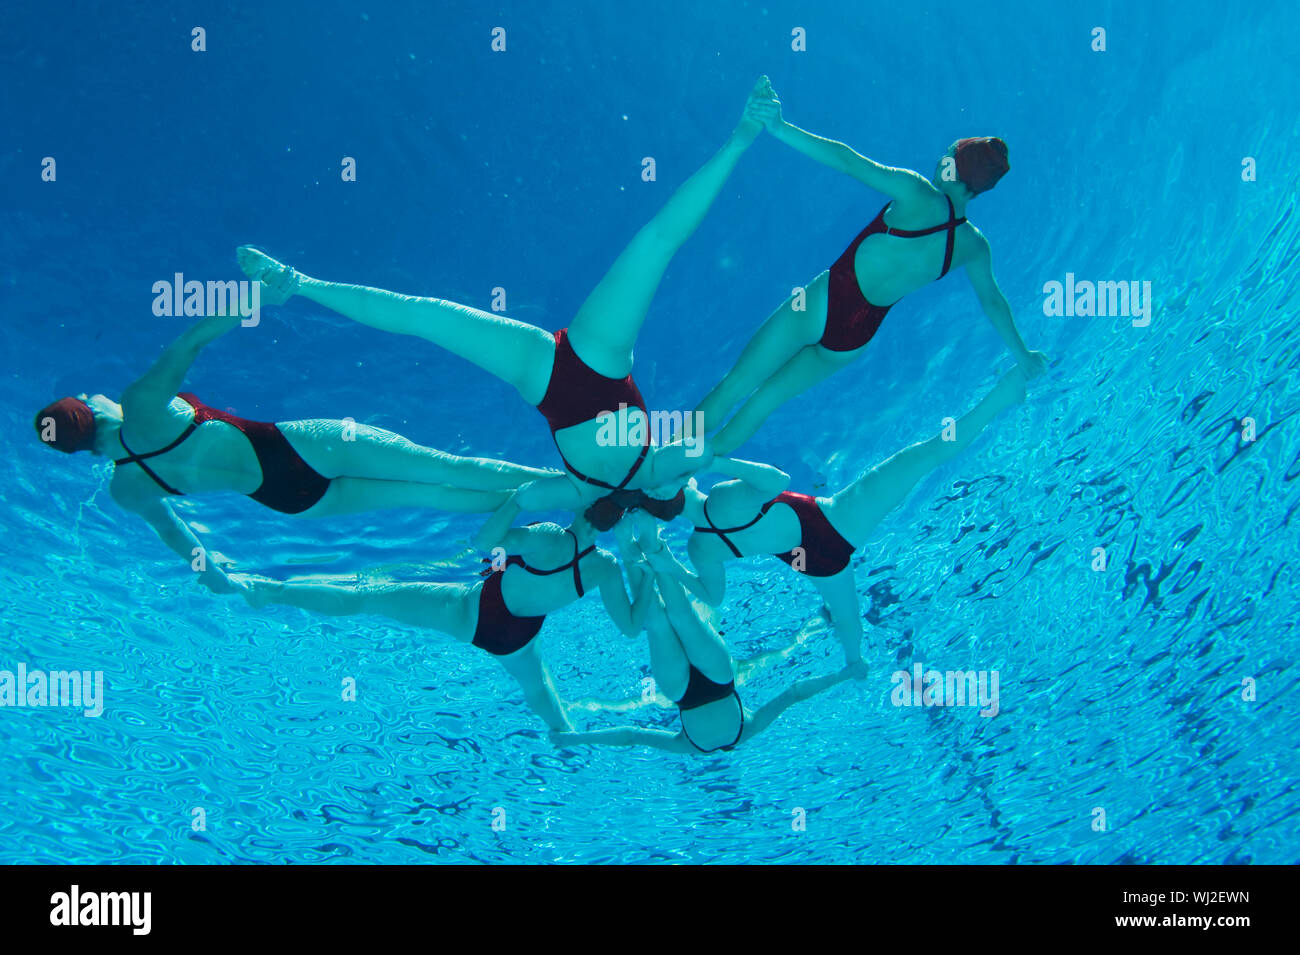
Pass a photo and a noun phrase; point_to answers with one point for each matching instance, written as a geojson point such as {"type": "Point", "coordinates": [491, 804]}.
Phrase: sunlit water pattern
{"type": "Point", "coordinates": [1119, 690]}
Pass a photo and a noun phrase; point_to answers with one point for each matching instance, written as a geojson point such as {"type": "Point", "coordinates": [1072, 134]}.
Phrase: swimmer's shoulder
{"type": "Point", "coordinates": [131, 489]}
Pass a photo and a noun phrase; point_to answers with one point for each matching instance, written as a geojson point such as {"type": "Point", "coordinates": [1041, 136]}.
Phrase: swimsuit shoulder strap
{"type": "Point", "coordinates": [951, 225]}
{"type": "Point", "coordinates": [874, 227]}
{"type": "Point", "coordinates": [597, 482]}
{"type": "Point", "coordinates": [133, 458]}
{"type": "Point", "coordinates": [878, 225]}
{"type": "Point", "coordinates": [572, 563]}
{"type": "Point", "coordinates": [722, 532]}
{"type": "Point", "coordinates": [202, 412]}
{"type": "Point", "coordinates": [577, 559]}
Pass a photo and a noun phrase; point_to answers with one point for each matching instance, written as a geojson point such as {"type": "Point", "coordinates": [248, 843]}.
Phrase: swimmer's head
{"type": "Point", "coordinates": [609, 510]}
{"type": "Point", "coordinates": [605, 513]}
{"type": "Point", "coordinates": [980, 161]}
{"type": "Point", "coordinates": [663, 508]}
{"type": "Point", "coordinates": [67, 425]}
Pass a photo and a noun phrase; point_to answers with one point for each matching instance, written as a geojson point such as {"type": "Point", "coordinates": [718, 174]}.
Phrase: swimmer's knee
{"type": "Point", "coordinates": [766, 399]}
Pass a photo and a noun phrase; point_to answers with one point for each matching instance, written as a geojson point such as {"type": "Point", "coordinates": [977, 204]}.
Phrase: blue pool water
{"type": "Point", "coordinates": [1120, 690]}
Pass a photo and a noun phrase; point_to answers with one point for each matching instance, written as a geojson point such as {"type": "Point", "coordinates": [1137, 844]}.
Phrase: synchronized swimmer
{"type": "Point", "coordinates": [164, 442]}
{"type": "Point", "coordinates": [316, 468]}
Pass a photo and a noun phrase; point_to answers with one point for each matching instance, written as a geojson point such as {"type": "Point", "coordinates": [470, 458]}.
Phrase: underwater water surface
{"type": "Point", "coordinates": [1119, 689]}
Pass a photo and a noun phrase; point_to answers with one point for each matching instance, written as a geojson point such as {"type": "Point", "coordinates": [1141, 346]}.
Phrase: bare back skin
{"type": "Point", "coordinates": [776, 532]}
{"type": "Point", "coordinates": [853, 512]}
{"type": "Point", "coordinates": [214, 458]}
{"type": "Point", "coordinates": [453, 609]}
{"type": "Point", "coordinates": [785, 357]}
{"type": "Point", "coordinates": [602, 333]}
{"type": "Point", "coordinates": [365, 468]}
{"type": "Point", "coordinates": [888, 267]}
{"type": "Point", "coordinates": [680, 638]}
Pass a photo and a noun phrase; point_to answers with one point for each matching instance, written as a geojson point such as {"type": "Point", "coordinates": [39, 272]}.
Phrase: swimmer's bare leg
{"type": "Point", "coordinates": [516, 352]}
{"type": "Point", "coordinates": [704, 647]}
{"type": "Point", "coordinates": [529, 670]}
{"type": "Point", "coordinates": [558, 493]}
{"type": "Point", "coordinates": [777, 340]}
{"type": "Point", "coordinates": [440, 607]}
{"type": "Point", "coordinates": [345, 449]}
{"type": "Point", "coordinates": [605, 328]}
{"type": "Point", "coordinates": [668, 661]}
{"type": "Point", "coordinates": [865, 502]}
{"type": "Point", "coordinates": [349, 495]}
{"type": "Point", "coordinates": [800, 373]}
{"type": "Point", "coordinates": [840, 593]}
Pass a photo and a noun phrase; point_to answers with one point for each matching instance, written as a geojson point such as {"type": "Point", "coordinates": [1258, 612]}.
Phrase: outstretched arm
{"type": "Point", "coordinates": [628, 617]}
{"type": "Point", "coordinates": [559, 493]}
{"type": "Point", "coordinates": [709, 584]}
{"type": "Point", "coordinates": [177, 535]}
{"type": "Point", "coordinates": [752, 486]}
{"type": "Point", "coordinates": [672, 464]}
{"type": "Point", "coordinates": [764, 480]}
{"type": "Point", "coordinates": [998, 310]}
{"type": "Point", "coordinates": [892, 181]}
{"type": "Point", "coordinates": [624, 736]}
{"type": "Point", "coordinates": [154, 390]}
{"type": "Point", "coordinates": [798, 692]}
{"type": "Point", "coordinates": [651, 551]}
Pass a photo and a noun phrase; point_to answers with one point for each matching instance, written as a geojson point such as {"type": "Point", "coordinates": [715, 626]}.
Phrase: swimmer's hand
{"type": "Point", "coordinates": [217, 580]}
{"type": "Point", "coordinates": [750, 126]}
{"type": "Point", "coordinates": [1033, 364]}
{"type": "Point", "coordinates": [625, 535]}
{"type": "Point", "coordinates": [661, 559]}
{"type": "Point", "coordinates": [764, 106]}
{"type": "Point", "coordinates": [704, 456]}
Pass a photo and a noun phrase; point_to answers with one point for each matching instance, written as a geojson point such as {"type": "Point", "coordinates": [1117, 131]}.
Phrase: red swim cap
{"type": "Point", "coordinates": [981, 162]}
{"type": "Point", "coordinates": [74, 425]}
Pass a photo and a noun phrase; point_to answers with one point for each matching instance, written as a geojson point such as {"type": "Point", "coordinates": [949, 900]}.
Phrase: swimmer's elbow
{"type": "Point", "coordinates": [997, 309]}
{"type": "Point", "coordinates": [712, 594]}
{"type": "Point", "coordinates": [780, 482]}
{"type": "Point", "coordinates": [711, 583]}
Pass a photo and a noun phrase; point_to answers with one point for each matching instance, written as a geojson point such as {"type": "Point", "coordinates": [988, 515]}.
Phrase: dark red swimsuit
{"type": "Point", "coordinates": [499, 631]}
{"type": "Point", "coordinates": [700, 691]}
{"type": "Point", "coordinates": [289, 484]}
{"type": "Point", "coordinates": [577, 393]}
{"type": "Point", "coordinates": [825, 551]}
{"type": "Point", "coordinates": [851, 320]}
